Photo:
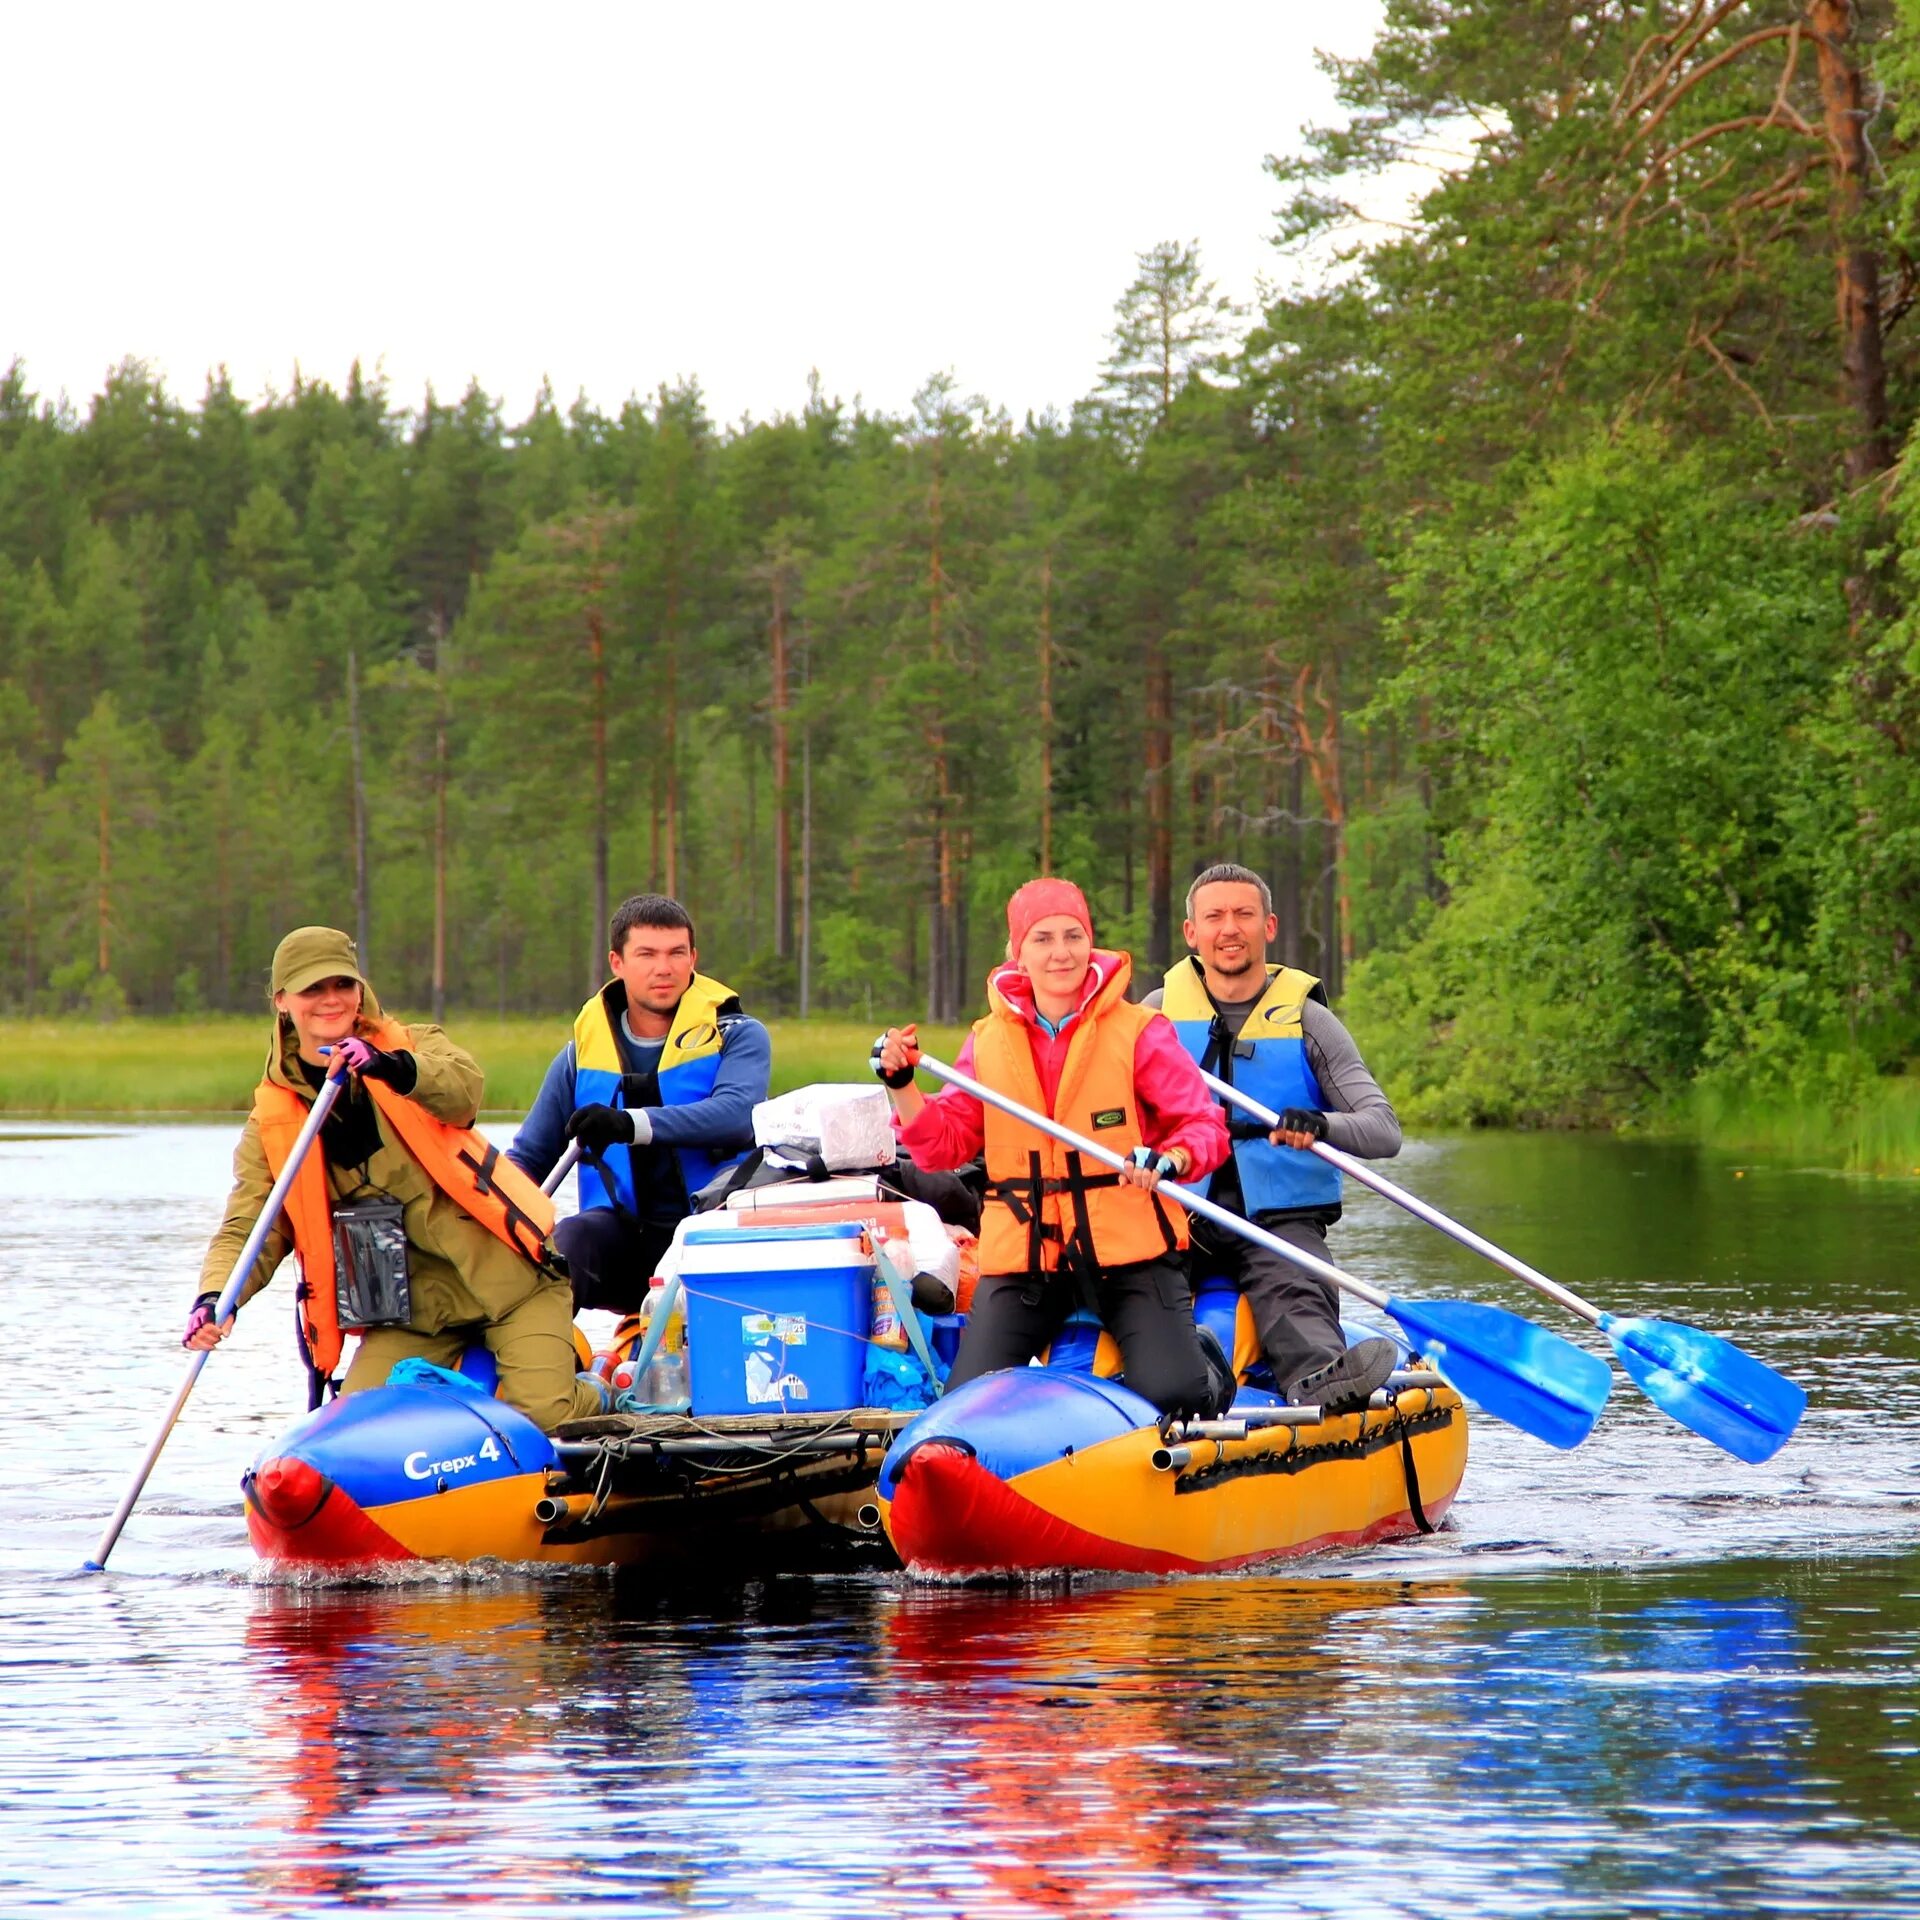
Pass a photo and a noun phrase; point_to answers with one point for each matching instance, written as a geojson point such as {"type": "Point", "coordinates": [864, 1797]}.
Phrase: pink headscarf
{"type": "Point", "coordinates": [1039, 899]}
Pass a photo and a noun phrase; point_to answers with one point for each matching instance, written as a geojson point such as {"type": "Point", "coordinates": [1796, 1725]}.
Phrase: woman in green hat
{"type": "Point", "coordinates": [412, 1230]}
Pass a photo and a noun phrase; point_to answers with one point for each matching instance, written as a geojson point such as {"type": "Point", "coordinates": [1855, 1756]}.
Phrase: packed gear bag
{"type": "Point", "coordinates": [370, 1277]}
{"type": "Point", "coordinates": [955, 1196]}
{"type": "Point", "coordinates": [763, 1167]}
{"type": "Point", "coordinates": [847, 1127]}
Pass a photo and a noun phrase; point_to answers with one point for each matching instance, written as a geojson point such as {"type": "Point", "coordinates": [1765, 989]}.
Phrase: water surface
{"type": "Point", "coordinates": [1639, 1678]}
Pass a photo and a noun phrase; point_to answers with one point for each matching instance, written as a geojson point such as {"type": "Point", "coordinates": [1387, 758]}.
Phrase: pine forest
{"type": "Point", "coordinates": [1526, 591]}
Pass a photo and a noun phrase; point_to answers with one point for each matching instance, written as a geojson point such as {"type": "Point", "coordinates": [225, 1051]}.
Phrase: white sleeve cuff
{"type": "Point", "coordinates": [642, 1126]}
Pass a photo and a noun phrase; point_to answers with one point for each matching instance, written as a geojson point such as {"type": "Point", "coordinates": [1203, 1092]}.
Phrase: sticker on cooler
{"type": "Point", "coordinates": [766, 1337]}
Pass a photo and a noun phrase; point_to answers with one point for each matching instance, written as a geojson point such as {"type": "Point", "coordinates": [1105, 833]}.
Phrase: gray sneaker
{"type": "Point", "coordinates": [1348, 1382]}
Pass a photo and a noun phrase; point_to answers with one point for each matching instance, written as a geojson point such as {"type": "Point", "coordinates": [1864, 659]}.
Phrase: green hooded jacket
{"type": "Point", "coordinates": [462, 1275]}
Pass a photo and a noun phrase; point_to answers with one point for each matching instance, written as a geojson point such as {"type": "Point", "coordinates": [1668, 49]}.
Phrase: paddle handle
{"type": "Point", "coordinates": [223, 1311]}
{"type": "Point", "coordinates": [1186, 1196]}
{"type": "Point", "coordinates": [562, 1167]}
{"type": "Point", "coordinates": [1420, 1209]}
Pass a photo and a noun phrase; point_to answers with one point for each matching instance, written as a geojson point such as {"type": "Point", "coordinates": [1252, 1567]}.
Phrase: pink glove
{"type": "Point", "coordinates": [202, 1313]}
{"type": "Point", "coordinates": [354, 1052]}
{"type": "Point", "coordinates": [398, 1069]}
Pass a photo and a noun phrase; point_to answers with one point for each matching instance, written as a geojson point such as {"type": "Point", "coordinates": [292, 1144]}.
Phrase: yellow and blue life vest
{"type": "Point", "coordinates": [689, 1066]}
{"type": "Point", "coordinates": [1268, 1061]}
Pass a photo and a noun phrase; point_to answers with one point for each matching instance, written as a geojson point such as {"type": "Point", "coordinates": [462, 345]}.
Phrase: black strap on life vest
{"type": "Point", "coordinates": [1024, 1199]}
{"type": "Point", "coordinates": [1076, 1252]}
{"type": "Point", "coordinates": [527, 1237]}
{"type": "Point", "coordinates": [1218, 1058]}
{"type": "Point", "coordinates": [318, 1380]}
{"type": "Point", "coordinates": [598, 1160]}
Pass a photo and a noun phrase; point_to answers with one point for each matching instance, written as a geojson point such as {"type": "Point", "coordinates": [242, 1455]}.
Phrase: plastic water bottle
{"type": "Point", "coordinates": [667, 1378]}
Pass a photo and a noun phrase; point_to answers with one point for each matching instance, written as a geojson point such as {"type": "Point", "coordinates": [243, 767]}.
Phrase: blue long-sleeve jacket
{"type": "Point", "coordinates": [722, 1123]}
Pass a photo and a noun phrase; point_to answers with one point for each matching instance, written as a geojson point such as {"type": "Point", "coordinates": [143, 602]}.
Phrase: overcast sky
{"type": "Point", "coordinates": [615, 195]}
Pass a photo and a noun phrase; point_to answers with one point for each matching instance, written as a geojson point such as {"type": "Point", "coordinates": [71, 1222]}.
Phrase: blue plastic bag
{"type": "Point", "coordinates": [895, 1380]}
{"type": "Point", "coordinates": [423, 1373]}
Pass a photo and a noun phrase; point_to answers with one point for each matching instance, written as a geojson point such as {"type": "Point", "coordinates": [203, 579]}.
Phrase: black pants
{"type": "Point", "coordinates": [611, 1257]}
{"type": "Point", "coordinates": [1148, 1308]}
{"type": "Point", "coordinates": [1296, 1314]}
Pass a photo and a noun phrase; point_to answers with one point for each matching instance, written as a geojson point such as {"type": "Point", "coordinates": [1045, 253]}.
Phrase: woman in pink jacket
{"type": "Point", "coordinates": [1062, 1038]}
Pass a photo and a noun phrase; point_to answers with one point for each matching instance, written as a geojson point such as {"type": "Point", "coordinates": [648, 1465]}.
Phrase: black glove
{"type": "Point", "coordinates": [201, 1314]}
{"type": "Point", "coordinates": [598, 1128]}
{"type": "Point", "coordinates": [1303, 1120]}
{"type": "Point", "coordinates": [400, 1070]}
{"type": "Point", "coordinates": [900, 1077]}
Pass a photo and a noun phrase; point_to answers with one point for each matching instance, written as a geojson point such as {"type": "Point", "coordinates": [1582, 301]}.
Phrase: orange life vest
{"type": "Point", "coordinates": [460, 1161]}
{"type": "Point", "coordinates": [1045, 1208]}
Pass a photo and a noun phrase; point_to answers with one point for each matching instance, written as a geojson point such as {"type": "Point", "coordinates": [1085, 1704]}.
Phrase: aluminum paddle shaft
{"type": "Point", "coordinates": [1359, 1170]}
{"type": "Point", "coordinates": [561, 1168]}
{"type": "Point", "coordinates": [1518, 1372]}
{"type": "Point", "coordinates": [1707, 1384]}
{"type": "Point", "coordinates": [1193, 1202]}
{"type": "Point", "coordinates": [224, 1311]}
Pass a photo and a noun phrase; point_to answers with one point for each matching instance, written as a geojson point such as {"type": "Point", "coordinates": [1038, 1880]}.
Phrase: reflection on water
{"type": "Point", "coordinates": [1581, 1743]}
{"type": "Point", "coordinates": [1085, 1747]}
{"type": "Point", "coordinates": [1638, 1678]}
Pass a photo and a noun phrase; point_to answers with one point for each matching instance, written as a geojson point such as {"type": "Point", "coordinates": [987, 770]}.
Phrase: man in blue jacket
{"type": "Point", "coordinates": [658, 1085]}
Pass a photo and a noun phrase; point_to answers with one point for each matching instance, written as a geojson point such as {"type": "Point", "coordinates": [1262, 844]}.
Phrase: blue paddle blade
{"type": "Point", "coordinates": [1709, 1384]}
{"type": "Point", "coordinates": [1516, 1371]}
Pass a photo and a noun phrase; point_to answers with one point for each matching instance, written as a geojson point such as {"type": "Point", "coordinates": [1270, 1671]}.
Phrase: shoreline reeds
{"type": "Point", "coordinates": [183, 1066]}
{"type": "Point", "coordinates": [187, 1067]}
{"type": "Point", "coordinates": [1877, 1132]}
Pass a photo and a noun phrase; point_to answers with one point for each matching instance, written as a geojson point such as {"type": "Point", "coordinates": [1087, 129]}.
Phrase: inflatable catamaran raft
{"type": "Point", "coordinates": [1037, 1468]}
{"type": "Point", "coordinates": [1042, 1467]}
{"type": "Point", "coordinates": [780, 1446]}
{"type": "Point", "coordinates": [780, 1454]}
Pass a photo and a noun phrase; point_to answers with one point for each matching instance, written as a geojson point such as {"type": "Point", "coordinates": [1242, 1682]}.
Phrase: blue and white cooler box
{"type": "Point", "coordinates": [777, 1317]}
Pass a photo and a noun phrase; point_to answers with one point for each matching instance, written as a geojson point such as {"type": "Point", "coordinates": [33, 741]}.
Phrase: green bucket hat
{"type": "Point", "coordinates": [309, 955]}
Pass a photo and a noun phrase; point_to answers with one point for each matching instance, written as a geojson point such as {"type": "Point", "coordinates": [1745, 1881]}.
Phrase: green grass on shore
{"type": "Point", "coordinates": [211, 1065]}
{"type": "Point", "coordinates": [69, 1067]}
{"type": "Point", "coordinates": [1878, 1133]}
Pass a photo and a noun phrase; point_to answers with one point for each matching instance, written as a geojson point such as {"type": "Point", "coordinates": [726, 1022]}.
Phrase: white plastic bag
{"type": "Point", "coordinates": [847, 1126]}
{"type": "Point", "coordinates": [928, 1248]}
